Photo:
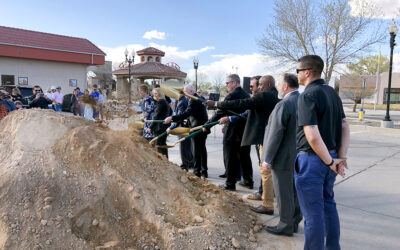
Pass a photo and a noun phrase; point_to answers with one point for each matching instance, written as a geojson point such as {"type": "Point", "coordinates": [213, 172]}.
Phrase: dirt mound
{"type": "Point", "coordinates": [67, 183]}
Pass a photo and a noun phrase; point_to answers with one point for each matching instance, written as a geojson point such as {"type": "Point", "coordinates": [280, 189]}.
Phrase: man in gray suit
{"type": "Point", "coordinates": [279, 155]}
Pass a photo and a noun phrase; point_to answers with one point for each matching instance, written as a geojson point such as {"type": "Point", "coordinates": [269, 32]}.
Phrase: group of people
{"type": "Point", "coordinates": [301, 140]}
{"type": "Point", "coordinates": [83, 104]}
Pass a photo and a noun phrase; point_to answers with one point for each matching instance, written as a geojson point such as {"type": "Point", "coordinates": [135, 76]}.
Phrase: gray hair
{"type": "Point", "coordinates": [190, 87]}
{"type": "Point", "coordinates": [234, 78]}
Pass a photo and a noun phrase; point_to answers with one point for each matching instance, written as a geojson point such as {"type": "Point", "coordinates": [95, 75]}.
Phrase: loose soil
{"type": "Point", "coordinates": [69, 183]}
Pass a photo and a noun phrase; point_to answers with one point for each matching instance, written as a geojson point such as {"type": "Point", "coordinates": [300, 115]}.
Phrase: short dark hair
{"type": "Point", "coordinates": [257, 78]}
{"type": "Point", "coordinates": [234, 77]}
{"type": "Point", "coordinates": [291, 80]}
{"type": "Point", "coordinates": [312, 62]}
{"type": "Point", "coordinates": [37, 87]}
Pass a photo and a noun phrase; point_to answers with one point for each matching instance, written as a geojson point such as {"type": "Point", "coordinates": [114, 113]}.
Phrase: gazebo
{"type": "Point", "coordinates": [150, 67]}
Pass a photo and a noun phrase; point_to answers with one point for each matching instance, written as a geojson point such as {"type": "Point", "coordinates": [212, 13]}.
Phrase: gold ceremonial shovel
{"type": "Point", "coordinates": [181, 140]}
{"type": "Point", "coordinates": [179, 131]}
{"type": "Point", "coordinates": [197, 130]}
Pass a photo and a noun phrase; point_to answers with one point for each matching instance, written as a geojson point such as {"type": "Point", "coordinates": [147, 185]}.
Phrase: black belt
{"type": "Point", "coordinates": [333, 151]}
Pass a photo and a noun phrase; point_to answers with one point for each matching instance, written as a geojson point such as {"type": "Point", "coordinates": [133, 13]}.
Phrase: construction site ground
{"type": "Point", "coordinates": [368, 198]}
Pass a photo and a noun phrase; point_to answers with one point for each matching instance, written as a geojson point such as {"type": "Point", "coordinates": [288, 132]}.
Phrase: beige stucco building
{"type": "Point", "coordinates": [381, 86]}
{"type": "Point", "coordinates": [36, 58]}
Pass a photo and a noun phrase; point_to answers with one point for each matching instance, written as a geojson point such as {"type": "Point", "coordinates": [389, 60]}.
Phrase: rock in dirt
{"type": "Point", "coordinates": [235, 243]}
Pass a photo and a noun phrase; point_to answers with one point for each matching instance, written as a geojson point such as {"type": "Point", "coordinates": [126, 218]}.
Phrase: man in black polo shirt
{"type": "Point", "coordinates": [322, 141]}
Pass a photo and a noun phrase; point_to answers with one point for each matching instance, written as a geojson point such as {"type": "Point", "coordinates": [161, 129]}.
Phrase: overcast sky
{"type": "Point", "coordinates": [221, 33]}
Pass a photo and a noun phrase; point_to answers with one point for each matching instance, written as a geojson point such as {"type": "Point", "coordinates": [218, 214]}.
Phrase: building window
{"type": "Point", "coordinates": [157, 59]}
{"type": "Point", "coordinates": [394, 96]}
{"type": "Point", "coordinates": [142, 58]}
{"type": "Point", "coordinates": [73, 82]}
{"type": "Point", "coordinates": [7, 80]}
{"type": "Point", "coordinates": [150, 59]}
{"type": "Point", "coordinates": [22, 80]}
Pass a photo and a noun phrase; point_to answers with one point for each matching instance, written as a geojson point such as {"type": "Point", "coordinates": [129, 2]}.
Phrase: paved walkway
{"type": "Point", "coordinates": [368, 199]}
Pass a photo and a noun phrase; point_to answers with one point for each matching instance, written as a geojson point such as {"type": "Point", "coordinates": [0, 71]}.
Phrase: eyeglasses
{"type": "Point", "coordinates": [298, 70]}
{"type": "Point", "coordinates": [228, 82]}
{"type": "Point", "coordinates": [38, 90]}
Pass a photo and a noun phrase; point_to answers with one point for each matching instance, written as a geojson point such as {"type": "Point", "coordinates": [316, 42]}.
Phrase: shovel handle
{"type": "Point", "coordinates": [192, 134]}
{"type": "Point", "coordinates": [195, 98]}
{"type": "Point", "coordinates": [155, 138]}
{"type": "Point", "coordinates": [154, 121]}
{"type": "Point", "coordinates": [234, 113]}
{"type": "Point", "coordinates": [204, 126]}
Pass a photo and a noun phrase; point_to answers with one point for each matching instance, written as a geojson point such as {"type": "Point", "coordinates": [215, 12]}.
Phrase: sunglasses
{"type": "Point", "coordinates": [298, 70]}
{"type": "Point", "coordinates": [228, 82]}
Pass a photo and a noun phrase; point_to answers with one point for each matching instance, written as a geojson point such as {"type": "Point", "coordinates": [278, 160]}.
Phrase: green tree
{"type": "Point", "coordinates": [325, 28]}
{"type": "Point", "coordinates": [369, 65]}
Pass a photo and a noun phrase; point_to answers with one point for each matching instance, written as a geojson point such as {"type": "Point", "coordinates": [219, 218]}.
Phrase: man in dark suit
{"type": "Point", "coordinates": [197, 115]}
{"type": "Point", "coordinates": [260, 107]}
{"type": "Point", "coordinates": [234, 155]}
{"type": "Point", "coordinates": [279, 154]}
{"type": "Point", "coordinates": [185, 147]}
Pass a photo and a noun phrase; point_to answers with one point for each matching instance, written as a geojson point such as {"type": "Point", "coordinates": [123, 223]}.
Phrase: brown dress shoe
{"type": "Point", "coordinates": [262, 210]}
{"type": "Point", "coordinates": [255, 197]}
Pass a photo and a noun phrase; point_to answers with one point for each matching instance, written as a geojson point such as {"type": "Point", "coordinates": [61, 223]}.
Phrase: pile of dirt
{"type": "Point", "coordinates": [69, 183]}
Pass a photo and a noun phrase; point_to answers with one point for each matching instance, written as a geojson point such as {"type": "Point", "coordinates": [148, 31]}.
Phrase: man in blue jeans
{"type": "Point", "coordinates": [322, 140]}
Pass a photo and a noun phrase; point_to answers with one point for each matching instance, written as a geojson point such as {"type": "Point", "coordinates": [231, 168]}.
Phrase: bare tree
{"type": "Point", "coordinates": [219, 81]}
{"type": "Point", "coordinates": [202, 79]}
{"type": "Point", "coordinates": [353, 89]}
{"type": "Point", "coordinates": [325, 28]}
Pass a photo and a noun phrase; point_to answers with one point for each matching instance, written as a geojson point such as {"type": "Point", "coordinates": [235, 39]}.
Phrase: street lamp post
{"type": "Point", "coordinates": [129, 60]}
{"type": "Point", "coordinates": [196, 66]}
{"type": "Point", "coordinates": [393, 31]}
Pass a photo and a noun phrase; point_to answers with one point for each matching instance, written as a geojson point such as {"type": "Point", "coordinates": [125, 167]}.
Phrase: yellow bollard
{"type": "Point", "coordinates": [361, 114]}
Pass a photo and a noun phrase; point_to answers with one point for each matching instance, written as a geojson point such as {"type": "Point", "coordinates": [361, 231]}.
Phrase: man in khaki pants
{"type": "Point", "coordinates": [267, 196]}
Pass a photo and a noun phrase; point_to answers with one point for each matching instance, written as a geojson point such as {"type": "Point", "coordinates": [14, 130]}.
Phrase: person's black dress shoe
{"type": "Point", "coordinates": [296, 223]}
{"type": "Point", "coordinates": [276, 231]}
{"type": "Point", "coordinates": [262, 210]}
{"type": "Point", "coordinates": [295, 228]}
{"type": "Point", "coordinates": [230, 188]}
{"type": "Point", "coordinates": [249, 186]}
{"type": "Point", "coordinates": [222, 175]}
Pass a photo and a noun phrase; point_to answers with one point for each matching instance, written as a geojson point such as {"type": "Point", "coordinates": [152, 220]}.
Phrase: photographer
{"type": "Point", "coordinates": [6, 104]}
{"type": "Point", "coordinates": [38, 99]}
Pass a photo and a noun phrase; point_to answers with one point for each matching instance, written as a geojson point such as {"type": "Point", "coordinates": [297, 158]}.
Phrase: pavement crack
{"type": "Point", "coordinates": [368, 211]}
{"type": "Point", "coordinates": [365, 169]}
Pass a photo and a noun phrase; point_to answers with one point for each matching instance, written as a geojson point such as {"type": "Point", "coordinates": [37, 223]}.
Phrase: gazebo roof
{"type": "Point", "coordinates": [150, 51]}
{"type": "Point", "coordinates": [151, 69]}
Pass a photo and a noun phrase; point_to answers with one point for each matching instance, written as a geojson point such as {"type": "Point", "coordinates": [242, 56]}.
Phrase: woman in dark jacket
{"type": "Point", "coordinates": [161, 112]}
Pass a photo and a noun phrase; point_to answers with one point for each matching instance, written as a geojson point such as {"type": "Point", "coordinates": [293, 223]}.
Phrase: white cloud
{"type": "Point", "coordinates": [385, 9]}
{"type": "Point", "coordinates": [154, 34]}
{"type": "Point", "coordinates": [117, 54]}
{"type": "Point", "coordinates": [244, 65]}
{"type": "Point", "coordinates": [172, 54]}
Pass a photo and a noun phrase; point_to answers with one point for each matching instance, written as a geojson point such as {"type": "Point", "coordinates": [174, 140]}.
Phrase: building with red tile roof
{"type": "Point", "coordinates": [32, 57]}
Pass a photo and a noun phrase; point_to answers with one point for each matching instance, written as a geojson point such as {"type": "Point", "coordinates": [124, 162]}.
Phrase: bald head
{"type": "Point", "coordinates": [267, 83]}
